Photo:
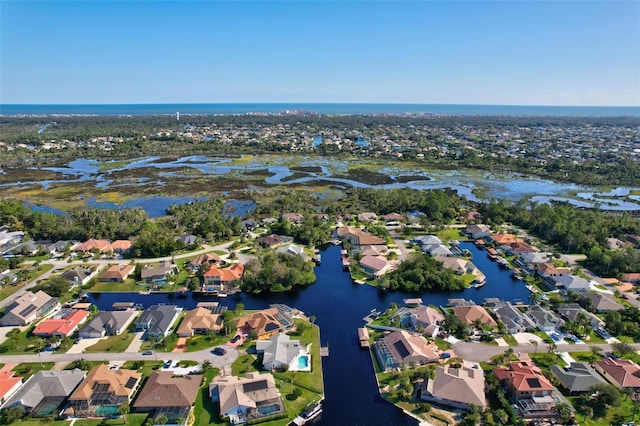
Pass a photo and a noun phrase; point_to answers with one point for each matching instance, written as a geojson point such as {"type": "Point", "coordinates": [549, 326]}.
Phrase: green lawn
{"type": "Point", "coordinates": [511, 341]}
{"type": "Point", "coordinates": [199, 342]}
{"type": "Point", "coordinates": [449, 234]}
{"type": "Point", "coordinates": [625, 409]}
{"type": "Point", "coordinates": [28, 369]}
{"type": "Point", "coordinates": [126, 286]}
{"type": "Point", "coordinates": [146, 367]}
{"type": "Point", "coordinates": [112, 343]}
{"type": "Point", "coordinates": [10, 289]}
{"type": "Point", "coordinates": [23, 342]}
{"type": "Point", "coordinates": [206, 412]}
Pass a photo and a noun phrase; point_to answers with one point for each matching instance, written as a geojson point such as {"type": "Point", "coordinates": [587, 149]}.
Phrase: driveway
{"type": "Point", "coordinates": [83, 344]}
{"type": "Point", "coordinates": [136, 343]}
{"type": "Point", "coordinates": [526, 338]}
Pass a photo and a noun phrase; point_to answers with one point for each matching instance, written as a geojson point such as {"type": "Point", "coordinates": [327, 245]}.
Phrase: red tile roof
{"type": "Point", "coordinates": [61, 326]}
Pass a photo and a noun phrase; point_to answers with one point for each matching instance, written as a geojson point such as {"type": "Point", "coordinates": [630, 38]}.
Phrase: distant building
{"type": "Point", "coordinates": [27, 308]}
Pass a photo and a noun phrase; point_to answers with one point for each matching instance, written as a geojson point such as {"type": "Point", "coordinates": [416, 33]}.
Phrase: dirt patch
{"type": "Point", "coordinates": [181, 345]}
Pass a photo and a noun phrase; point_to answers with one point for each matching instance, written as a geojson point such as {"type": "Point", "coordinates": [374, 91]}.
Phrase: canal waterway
{"type": "Point", "coordinates": [339, 306]}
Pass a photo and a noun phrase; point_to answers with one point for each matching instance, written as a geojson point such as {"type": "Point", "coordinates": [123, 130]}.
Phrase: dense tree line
{"type": "Point", "coordinates": [204, 218]}
{"type": "Point", "coordinates": [276, 272]}
{"type": "Point", "coordinates": [420, 272]}
{"type": "Point", "coordinates": [573, 230]}
{"type": "Point", "coordinates": [313, 231]}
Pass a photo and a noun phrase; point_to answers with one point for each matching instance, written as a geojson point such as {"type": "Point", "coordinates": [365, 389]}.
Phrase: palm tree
{"type": "Point", "coordinates": [552, 347]}
{"type": "Point", "coordinates": [123, 410]}
{"type": "Point", "coordinates": [563, 412]}
{"type": "Point", "coordinates": [535, 344]}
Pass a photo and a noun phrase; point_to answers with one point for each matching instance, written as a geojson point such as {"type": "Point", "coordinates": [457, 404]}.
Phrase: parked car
{"type": "Point", "coordinates": [147, 353]}
{"type": "Point", "coordinates": [445, 355]}
{"type": "Point", "coordinates": [219, 351]}
{"type": "Point", "coordinates": [167, 364]}
{"type": "Point", "coordinates": [235, 338]}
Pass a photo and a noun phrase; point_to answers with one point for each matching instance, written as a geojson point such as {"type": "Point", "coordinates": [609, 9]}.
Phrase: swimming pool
{"type": "Point", "coordinates": [303, 362]}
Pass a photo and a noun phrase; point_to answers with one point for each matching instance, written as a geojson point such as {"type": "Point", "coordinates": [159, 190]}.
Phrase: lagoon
{"type": "Point", "coordinates": [339, 306]}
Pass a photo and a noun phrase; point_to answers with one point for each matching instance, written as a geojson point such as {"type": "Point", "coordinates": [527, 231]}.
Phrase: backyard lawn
{"type": "Point", "coordinates": [117, 343]}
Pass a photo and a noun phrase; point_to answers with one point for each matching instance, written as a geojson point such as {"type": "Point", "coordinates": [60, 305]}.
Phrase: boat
{"type": "Point", "coordinates": [479, 284]}
{"type": "Point", "coordinates": [502, 262]}
{"type": "Point", "coordinates": [221, 294]}
{"type": "Point", "coordinates": [312, 411]}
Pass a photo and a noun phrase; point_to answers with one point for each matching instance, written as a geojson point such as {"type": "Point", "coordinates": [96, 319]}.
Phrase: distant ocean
{"type": "Point", "coordinates": [322, 108]}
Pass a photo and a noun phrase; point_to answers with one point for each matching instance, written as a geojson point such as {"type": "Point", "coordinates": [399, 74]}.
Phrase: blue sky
{"type": "Point", "coordinates": [457, 52]}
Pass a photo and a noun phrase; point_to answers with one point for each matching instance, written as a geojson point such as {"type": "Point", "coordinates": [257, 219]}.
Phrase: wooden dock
{"type": "Point", "coordinates": [324, 350]}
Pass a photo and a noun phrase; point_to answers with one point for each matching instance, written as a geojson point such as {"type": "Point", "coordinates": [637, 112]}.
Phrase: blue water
{"type": "Point", "coordinates": [339, 305]}
{"type": "Point", "coordinates": [303, 362]}
{"type": "Point", "coordinates": [322, 108]}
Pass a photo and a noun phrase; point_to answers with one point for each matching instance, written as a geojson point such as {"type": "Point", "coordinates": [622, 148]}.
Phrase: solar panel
{"type": "Point", "coordinates": [401, 348]}
{"type": "Point", "coordinates": [534, 383]}
{"type": "Point", "coordinates": [255, 386]}
{"type": "Point", "coordinates": [271, 326]}
{"type": "Point", "coordinates": [26, 311]}
{"type": "Point", "coordinates": [131, 383]}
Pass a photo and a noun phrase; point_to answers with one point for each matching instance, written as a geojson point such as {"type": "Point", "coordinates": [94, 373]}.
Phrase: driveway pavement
{"type": "Point", "coordinates": [526, 338]}
{"type": "Point", "coordinates": [136, 343]}
{"type": "Point", "coordinates": [83, 344]}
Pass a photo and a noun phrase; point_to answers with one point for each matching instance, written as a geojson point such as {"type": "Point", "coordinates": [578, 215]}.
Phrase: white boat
{"type": "Point", "coordinates": [312, 411]}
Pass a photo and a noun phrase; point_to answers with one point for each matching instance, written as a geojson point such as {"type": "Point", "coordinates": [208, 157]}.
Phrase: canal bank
{"type": "Point", "coordinates": [351, 390]}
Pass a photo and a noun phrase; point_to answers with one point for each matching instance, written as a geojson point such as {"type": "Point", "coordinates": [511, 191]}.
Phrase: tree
{"type": "Point", "coordinates": [596, 353]}
{"type": "Point", "coordinates": [123, 410]}
{"type": "Point", "coordinates": [622, 348]}
{"type": "Point", "coordinates": [552, 347]}
{"type": "Point", "coordinates": [605, 395]}
{"type": "Point", "coordinates": [563, 412]}
{"type": "Point", "coordinates": [535, 345]}
{"type": "Point", "coordinates": [12, 414]}
{"type": "Point", "coordinates": [162, 420]}
{"type": "Point", "coordinates": [239, 308]}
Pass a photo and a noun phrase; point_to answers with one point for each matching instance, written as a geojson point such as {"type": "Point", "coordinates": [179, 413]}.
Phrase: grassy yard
{"type": "Point", "coordinates": [624, 410]}
{"type": "Point", "coordinates": [8, 290]}
{"type": "Point", "coordinates": [23, 342]}
{"type": "Point", "coordinates": [511, 341]}
{"type": "Point", "coordinates": [144, 367]}
{"type": "Point", "coordinates": [449, 234]}
{"type": "Point", "coordinates": [28, 369]}
{"type": "Point", "coordinates": [112, 343]}
{"type": "Point", "coordinates": [199, 342]}
{"type": "Point", "coordinates": [128, 285]}
{"type": "Point", "coordinates": [25, 273]}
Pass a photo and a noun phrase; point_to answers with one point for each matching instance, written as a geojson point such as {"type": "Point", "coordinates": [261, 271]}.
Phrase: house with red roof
{"type": "Point", "coordinates": [116, 273]}
{"type": "Point", "coordinates": [93, 244]}
{"type": "Point", "coordinates": [62, 325]}
{"type": "Point", "coordinates": [622, 373]}
{"type": "Point", "coordinates": [217, 279]}
{"type": "Point", "coordinates": [528, 388]}
{"type": "Point", "coordinates": [9, 383]}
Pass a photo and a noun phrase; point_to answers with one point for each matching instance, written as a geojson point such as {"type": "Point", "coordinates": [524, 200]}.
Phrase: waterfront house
{"type": "Point", "coordinates": [528, 388]}
{"type": "Point", "coordinates": [157, 320]}
{"type": "Point", "coordinates": [374, 266]}
{"type": "Point", "coordinates": [278, 351]}
{"type": "Point", "coordinates": [428, 318]}
{"type": "Point", "coordinates": [167, 395]}
{"type": "Point", "coordinates": [62, 325]}
{"type": "Point", "coordinates": [218, 279]}
{"type": "Point", "coordinates": [263, 324]}
{"type": "Point", "coordinates": [27, 308]}
{"type": "Point", "coordinates": [9, 382]}
{"type": "Point", "coordinates": [504, 239]}
{"type": "Point", "coordinates": [357, 237]}
{"type": "Point", "coordinates": [77, 276]}
{"type": "Point", "coordinates": [437, 250]}
{"type": "Point", "coordinates": [273, 240]}
{"type": "Point", "coordinates": [103, 391]}
{"type": "Point", "coordinates": [427, 240]}
{"type": "Point", "coordinates": [519, 247]}
{"type": "Point", "coordinates": [400, 348]}
{"type": "Point", "coordinates": [458, 265]}
{"type": "Point", "coordinates": [44, 393]}
{"type": "Point", "coordinates": [576, 378]}
{"type": "Point", "coordinates": [601, 302]}
{"type": "Point", "coordinates": [543, 318]}
{"type": "Point", "coordinates": [157, 275]}
{"type": "Point", "coordinates": [116, 273]}
{"type": "Point", "coordinates": [470, 315]}
{"type": "Point", "coordinates": [200, 321]}
{"type": "Point", "coordinates": [456, 387]}
{"type": "Point", "coordinates": [109, 323]}
{"type": "Point", "coordinates": [622, 373]}
{"type": "Point", "coordinates": [296, 218]}
{"type": "Point", "coordinates": [241, 399]}
{"type": "Point", "coordinates": [477, 232]}
{"type": "Point", "coordinates": [514, 320]}
{"type": "Point", "coordinates": [292, 250]}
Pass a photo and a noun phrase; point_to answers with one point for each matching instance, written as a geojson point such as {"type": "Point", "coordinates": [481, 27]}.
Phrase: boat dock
{"type": "Point", "coordinates": [363, 337]}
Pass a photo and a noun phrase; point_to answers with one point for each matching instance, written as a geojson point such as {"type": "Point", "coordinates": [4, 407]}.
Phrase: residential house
{"type": "Point", "coordinates": [278, 351]}
{"type": "Point", "coordinates": [58, 247]}
{"type": "Point", "coordinates": [9, 382]}
{"type": "Point", "coordinates": [393, 217]}
{"type": "Point", "coordinates": [367, 217]}
{"type": "Point", "coordinates": [459, 265]}
{"type": "Point", "coordinates": [103, 391]}
{"type": "Point", "coordinates": [218, 279]}
{"type": "Point", "coordinates": [292, 250]}
{"type": "Point", "coordinates": [263, 324]}
{"type": "Point", "coordinates": [528, 388]}
{"type": "Point", "coordinates": [428, 318]}
{"type": "Point", "coordinates": [470, 215]}
{"type": "Point", "coordinates": [116, 273]}
{"type": "Point", "coordinates": [374, 266]}
{"type": "Point", "coordinates": [571, 283]}
{"type": "Point", "coordinates": [529, 261]}
{"type": "Point", "coordinates": [62, 325]}
{"type": "Point", "coordinates": [157, 320]}
{"type": "Point", "coordinates": [456, 387]}
{"type": "Point", "coordinates": [27, 308]}
{"type": "Point", "coordinates": [372, 250]}
{"type": "Point", "coordinates": [107, 323]}
{"type": "Point", "coordinates": [400, 348]}
{"type": "Point", "coordinates": [296, 218]}
{"type": "Point", "coordinates": [504, 239]}
{"type": "Point", "coordinates": [157, 275]}
{"type": "Point", "coordinates": [273, 240]}
{"type": "Point", "coordinates": [632, 277]}
{"type": "Point", "coordinates": [9, 239]}
{"type": "Point", "coordinates": [188, 240]}
{"type": "Point", "coordinates": [78, 276]}
{"type": "Point", "coordinates": [164, 394]}
{"type": "Point", "coordinates": [477, 232]}
{"type": "Point", "coordinates": [209, 258]}
{"type": "Point", "coordinates": [44, 393]}
{"type": "Point", "coordinates": [427, 240]}
{"type": "Point", "coordinates": [601, 302]}
{"type": "Point", "coordinates": [358, 237]}
{"type": "Point", "coordinates": [573, 311]}
{"type": "Point", "coordinates": [548, 272]}
{"type": "Point", "coordinates": [543, 318]}
{"type": "Point", "coordinates": [576, 378]}
{"type": "Point", "coordinates": [242, 399]}
{"type": "Point", "coordinates": [622, 373]}
{"type": "Point", "coordinates": [514, 320]}
{"type": "Point", "coordinates": [200, 321]}
{"type": "Point", "coordinates": [437, 250]}
{"type": "Point", "coordinates": [519, 247]}
{"type": "Point", "coordinates": [120, 246]}
{"type": "Point", "coordinates": [471, 314]}
{"type": "Point", "coordinates": [93, 245]}
{"type": "Point", "coordinates": [8, 277]}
